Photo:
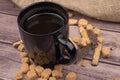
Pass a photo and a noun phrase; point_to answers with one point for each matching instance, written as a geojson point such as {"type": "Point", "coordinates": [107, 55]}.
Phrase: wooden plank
{"type": "Point", "coordinates": [112, 41]}
{"type": "Point", "coordinates": [6, 6]}
{"type": "Point", "coordinates": [9, 52]}
{"type": "Point", "coordinates": [101, 72]}
{"type": "Point", "coordinates": [8, 69]}
{"type": "Point", "coordinates": [10, 60]}
{"type": "Point", "coordinates": [8, 28]}
{"type": "Point", "coordinates": [109, 26]}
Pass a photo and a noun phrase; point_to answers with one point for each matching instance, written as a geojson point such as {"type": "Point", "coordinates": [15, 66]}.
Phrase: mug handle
{"type": "Point", "coordinates": [68, 45]}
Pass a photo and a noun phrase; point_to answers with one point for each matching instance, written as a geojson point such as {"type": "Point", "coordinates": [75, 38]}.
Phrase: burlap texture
{"type": "Point", "coordinates": [108, 10]}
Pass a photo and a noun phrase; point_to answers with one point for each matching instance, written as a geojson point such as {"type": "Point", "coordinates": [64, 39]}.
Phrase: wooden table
{"type": "Point", "coordinates": [108, 69]}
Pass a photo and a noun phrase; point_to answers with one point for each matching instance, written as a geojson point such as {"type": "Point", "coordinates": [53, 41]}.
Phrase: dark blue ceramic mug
{"type": "Point", "coordinates": [43, 27]}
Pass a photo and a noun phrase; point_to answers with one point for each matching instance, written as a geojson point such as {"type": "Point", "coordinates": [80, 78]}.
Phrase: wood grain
{"type": "Point", "coordinates": [8, 28]}
{"type": "Point", "coordinates": [10, 60]}
{"type": "Point", "coordinates": [9, 52]}
{"type": "Point", "coordinates": [109, 26]}
{"type": "Point", "coordinates": [101, 72]}
{"type": "Point", "coordinates": [7, 7]}
{"type": "Point", "coordinates": [112, 41]}
{"type": "Point", "coordinates": [8, 68]}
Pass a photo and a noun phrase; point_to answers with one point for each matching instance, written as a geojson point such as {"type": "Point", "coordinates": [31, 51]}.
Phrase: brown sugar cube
{"type": "Point", "coordinates": [25, 68]}
{"type": "Point", "coordinates": [88, 41]}
{"type": "Point", "coordinates": [84, 63]}
{"type": "Point", "coordinates": [89, 27]}
{"type": "Point", "coordinates": [106, 52]}
{"type": "Point", "coordinates": [96, 31]}
{"type": "Point", "coordinates": [19, 75]}
{"type": "Point", "coordinates": [70, 14]}
{"type": "Point", "coordinates": [16, 44]}
{"type": "Point", "coordinates": [24, 54]}
{"type": "Point", "coordinates": [52, 78]}
{"type": "Point", "coordinates": [84, 34]}
{"type": "Point", "coordinates": [41, 79]}
{"type": "Point", "coordinates": [31, 75]}
{"type": "Point", "coordinates": [72, 21]}
{"type": "Point", "coordinates": [21, 47]}
{"type": "Point", "coordinates": [76, 47]}
{"type": "Point", "coordinates": [57, 74]}
{"type": "Point", "coordinates": [96, 55]}
{"type": "Point", "coordinates": [77, 40]}
{"type": "Point", "coordinates": [58, 67]}
{"type": "Point", "coordinates": [46, 73]}
{"type": "Point", "coordinates": [32, 67]}
{"type": "Point", "coordinates": [71, 76]}
{"type": "Point", "coordinates": [25, 60]}
{"type": "Point", "coordinates": [100, 39]}
{"type": "Point", "coordinates": [83, 42]}
{"type": "Point", "coordinates": [82, 22]}
{"type": "Point", "coordinates": [39, 70]}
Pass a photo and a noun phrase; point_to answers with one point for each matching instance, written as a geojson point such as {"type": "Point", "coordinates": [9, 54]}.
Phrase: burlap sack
{"type": "Point", "coordinates": [108, 10]}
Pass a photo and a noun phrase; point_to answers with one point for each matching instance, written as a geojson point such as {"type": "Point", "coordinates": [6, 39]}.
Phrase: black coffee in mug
{"type": "Point", "coordinates": [43, 27]}
{"type": "Point", "coordinates": [43, 23]}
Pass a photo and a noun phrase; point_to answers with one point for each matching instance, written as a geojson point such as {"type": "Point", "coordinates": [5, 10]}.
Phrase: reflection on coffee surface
{"type": "Point", "coordinates": [43, 23]}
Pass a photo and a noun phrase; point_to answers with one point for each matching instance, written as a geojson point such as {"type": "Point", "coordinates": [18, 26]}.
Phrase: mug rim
{"type": "Point", "coordinates": [47, 34]}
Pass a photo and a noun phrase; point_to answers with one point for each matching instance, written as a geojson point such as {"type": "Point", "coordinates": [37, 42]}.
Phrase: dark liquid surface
{"type": "Point", "coordinates": [43, 23]}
